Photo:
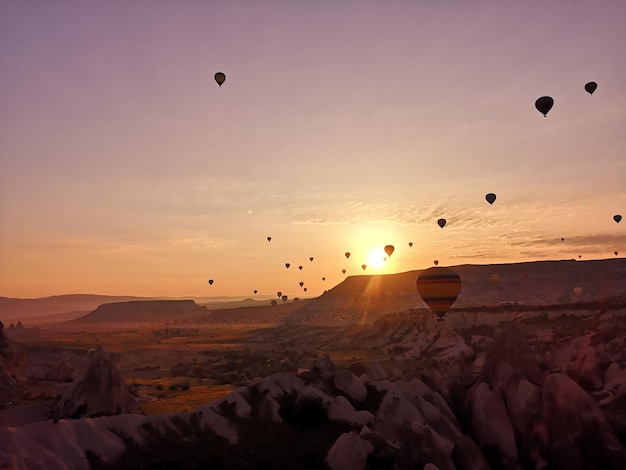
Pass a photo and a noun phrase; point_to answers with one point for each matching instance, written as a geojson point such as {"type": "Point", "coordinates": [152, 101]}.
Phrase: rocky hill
{"type": "Point", "coordinates": [365, 298]}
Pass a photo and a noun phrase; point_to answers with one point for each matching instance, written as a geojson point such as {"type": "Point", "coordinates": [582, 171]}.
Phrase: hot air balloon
{"type": "Point", "coordinates": [279, 294]}
{"type": "Point", "coordinates": [301, 283]}
{"type": "Point", "coordinates": [544, 105]}
{"type": "Point", "coordinates": [323, 279]}
{"type": "Point", "coordinates": [617, 218]}
{"type": "Point", "coordinates": [300, 268]}
{"type": "Point", "coordinates": [616, 253]}
{"type": "Point", "coordinates": [274, 303]}
{"type": "Point", "coordinates": [255, 291]}
{"type": "Point", "coordinates": [441, 223]}
{"type": "Point", "coordinates": [284, 298]}
{"type": "Point", "coordinates": [287, 265]}
{"type": "Point", "coordinates": [210, 282]}
{"type": "Point", "coordinates": [495, 278]}
{"type": "Point", "coordinates": [220, 78]}
{"type": "Point", "coordinates": [578, 291]}
{"type": "Point", "coordinates": [389, 249]}
{"type": "Point", "coordinates": [305, 289]}
{"type": "Point", "coordinates": [562, 239]}
{"type": "Point", "coordinates": [491, 198]}
{"type": "Point", "coordinates": [410, 244]}
{"type": "Point", "coordinates": [347, 253]}
{"type": "Point", "coordinates": [436, 262]}
{"type": "Point", "coordinates": [311, 259]}
{"type": "Point", "coordinates": [269, 239]}
{"type": "Point", "coordinates": [439, 288]}
{"type": "Point", "coordinates": [590, 87]}
{"type": "Point", "coordinates": [364, 266]}
{"type": "Point", "coordinates": [343, 271]}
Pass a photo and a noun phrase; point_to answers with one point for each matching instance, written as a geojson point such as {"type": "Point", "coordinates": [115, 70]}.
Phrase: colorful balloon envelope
{"type": "Point", "coordinates": [220, 78]}
{"type": "Point", "coordinates": [439, 287]}
{"type": "Point", "coordinates": [544, 105]}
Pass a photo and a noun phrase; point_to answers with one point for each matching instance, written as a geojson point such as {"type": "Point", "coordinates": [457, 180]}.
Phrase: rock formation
{"type": "Point", "coordinates": [100, 391]}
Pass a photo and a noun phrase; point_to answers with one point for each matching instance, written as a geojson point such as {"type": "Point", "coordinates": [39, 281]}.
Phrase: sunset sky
{"type": "Point", "coordinates": [342, 126]}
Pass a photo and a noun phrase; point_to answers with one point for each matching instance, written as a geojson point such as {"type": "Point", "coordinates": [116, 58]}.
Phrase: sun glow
{"type": "Point", "coordinates": [376, 258]}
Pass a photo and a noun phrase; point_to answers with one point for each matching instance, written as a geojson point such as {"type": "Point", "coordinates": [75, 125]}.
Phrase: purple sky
{"type": "Point", "coordinates": [342, 126]}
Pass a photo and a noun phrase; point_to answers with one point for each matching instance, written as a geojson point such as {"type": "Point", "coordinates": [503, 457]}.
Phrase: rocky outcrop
{"type": "Point", "coordinates": [12, 362]}
{"type": "Point", "coordinates": [100, 391]}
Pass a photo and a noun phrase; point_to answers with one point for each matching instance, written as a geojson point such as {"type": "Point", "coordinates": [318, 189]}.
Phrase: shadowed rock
{"type": "Point", "coordinates": [100, 392]}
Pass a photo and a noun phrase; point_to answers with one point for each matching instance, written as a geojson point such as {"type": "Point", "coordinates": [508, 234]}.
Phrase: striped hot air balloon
{"type": "Point", "coordinates": [439, 287]}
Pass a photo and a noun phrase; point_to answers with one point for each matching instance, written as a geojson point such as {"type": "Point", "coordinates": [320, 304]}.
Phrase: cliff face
{"type": "Point", "coordinates": [142, 312]}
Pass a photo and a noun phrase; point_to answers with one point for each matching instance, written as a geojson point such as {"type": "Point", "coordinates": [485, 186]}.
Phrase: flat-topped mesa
{"type": "Point", "coordinates": [142, 311]}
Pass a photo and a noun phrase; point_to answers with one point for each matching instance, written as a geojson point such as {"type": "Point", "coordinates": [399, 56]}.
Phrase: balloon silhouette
{"type": "Point", "coordinates": [269, 239]}
{"type": "Point", "coordinates": [301, 283]}
{"type": "Point", "coordinates": [441, 223]}
{"type": "Point", "coordinates": [364, 266]}
{"type": "Point", "coordinates": [439, 288]}
{"type": "Point", "coordinates": [323, 279]}
{"type": "Point", "coordinates": [616, 253]}
{"type": "Point", "coordinates": [220, 78]}
{"type": "Point", "coordinates": [347, 253]}
{"type": "Point", "coordinates": [300, 268]}
{"type": "Point", "coordinates": [562, 239]}
{"type": "Point", "coordinates": [617, 218]}
{"type": "Point", "coordinates": [284, 298]}
{"type": "Point", "coordinates": [287, 265]}
{"type": "Point", "coordinates": [305, 289]}
{"type": "Point", "coordinates": [274, 303]}
{"type": "Point", "coordinates": [436, 262]}
{"type": "Point", "coordinates": [311, 259]}
{"type": "Point", "coordinates": [590, 87]}
{"type": "Point", "coordinates": [544, 105]}
{"type": "Point", "coordinates": [389, 249]}
{"type": "Point", "coordinates": [279, 294]}
{"type": "Point", "coordinates": [343, 271]}
{"type": "Point", "coordinates": [255, 291]}
{"type": "Point", "coordinates": [410, 244]}
{"type": "Point", "coordinates": [210, 282]}
{"type": "Point", "coordinates": [491, 198]}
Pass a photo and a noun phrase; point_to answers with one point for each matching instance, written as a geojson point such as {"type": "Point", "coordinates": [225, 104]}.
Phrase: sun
{"type": "Point", "coordinates": [376, 258]}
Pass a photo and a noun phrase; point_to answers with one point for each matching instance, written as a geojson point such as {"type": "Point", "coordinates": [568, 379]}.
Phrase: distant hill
{"type": "Point", "coordinates": [142, 311]}
{"type": "Point", "coordinates": [364, 298]}
{"type": "Point", "coordinates": [64, 307]}
{"type": "Point", "coordinates": [13, 310]}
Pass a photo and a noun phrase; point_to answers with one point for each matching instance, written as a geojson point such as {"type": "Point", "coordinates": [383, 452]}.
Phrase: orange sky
{"type": "Point", "coordinates": [125, 169]}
